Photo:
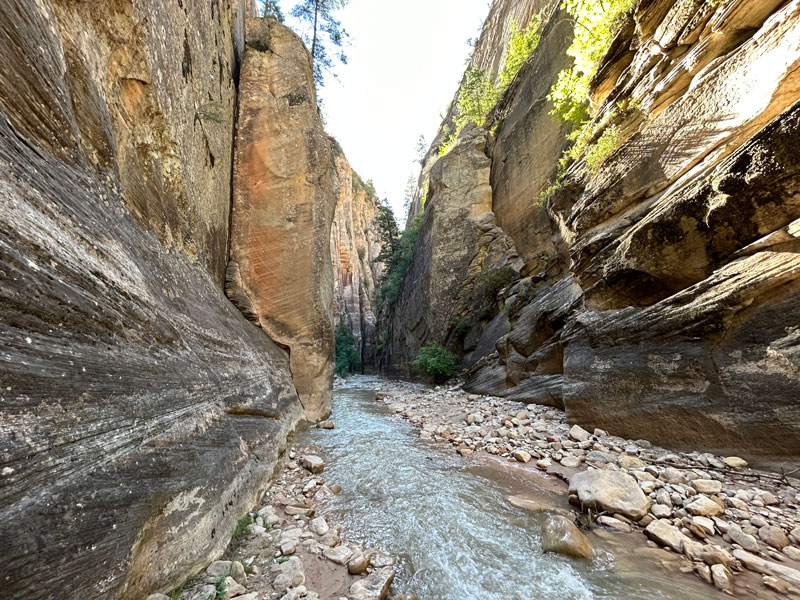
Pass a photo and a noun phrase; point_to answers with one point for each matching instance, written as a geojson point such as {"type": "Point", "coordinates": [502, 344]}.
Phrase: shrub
{"type": "Point", "coordinates": [435, 360]}
{"type": "Point", "coordinates": [241, 525]}
{"type": "Point", "coordinates": [348, 358]}
{"type": "Point", "coordinates": [461, 326]}
{"type": "Point", "coordinates": [483, 293]}
{"type": "Point", "coordinates": [520, 46]}
{"type": "Point", "coordinates": [361, 252]}
{"type": "Point", "coordinates": [477, 97]}
{"type": "Point", "coordinates": [602, 148]}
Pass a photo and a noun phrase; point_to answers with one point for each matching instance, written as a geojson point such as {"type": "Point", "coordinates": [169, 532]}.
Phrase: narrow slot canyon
{"type": "Point", "coordinates": [257, 344]}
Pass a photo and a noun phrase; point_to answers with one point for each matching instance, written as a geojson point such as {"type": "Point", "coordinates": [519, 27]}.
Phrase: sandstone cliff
{"type": "Point", "coordinates": [659, 293]}
{"type": "Point", "coordinates": [140, 413]}
{"type": "Point", "coordinates": [280, 272]}
{"type": "Point", "coordinates": [354, 248]}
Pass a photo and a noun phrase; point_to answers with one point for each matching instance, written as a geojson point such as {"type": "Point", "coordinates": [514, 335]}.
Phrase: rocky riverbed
{"type": "Point", "coordinates": [284, 551]}
{"type": "Point", "coordinates": [732, 525]}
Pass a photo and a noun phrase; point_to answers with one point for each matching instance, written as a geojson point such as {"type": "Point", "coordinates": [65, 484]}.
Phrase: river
{"type": "Point", "coordinates": [447, 520]}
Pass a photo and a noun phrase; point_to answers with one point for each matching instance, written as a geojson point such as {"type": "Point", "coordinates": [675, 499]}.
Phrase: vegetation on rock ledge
{"type": "Point", "coordinates": [437, 361]}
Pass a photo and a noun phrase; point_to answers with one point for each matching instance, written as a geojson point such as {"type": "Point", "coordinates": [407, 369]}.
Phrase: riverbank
{"type": "Point", "coordinates": [735, 527]}
{"type": "Point", "coordinates": [285, 550]}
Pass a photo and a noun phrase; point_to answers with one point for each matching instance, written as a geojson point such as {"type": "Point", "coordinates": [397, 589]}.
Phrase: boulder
{"type": "Point", "coordinates": [561, 536]}
{"type": "Point", "coordinates": [666, 534]}
{"type": "Point", "coordinates": [288, 574]}
{"type": "Point", "coordinates": [312, 463]}
{"type": "Point", "coordinates": [774, 536]}
{"type": "Point", "coordinates": [611, 491]}
{"type": "Point", "coordinates": [374, 586]}
{"type": "Point", "coordinates": [704, 506]}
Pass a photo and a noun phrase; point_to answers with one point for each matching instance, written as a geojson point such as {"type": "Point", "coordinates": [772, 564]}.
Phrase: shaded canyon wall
{"type": "Point", "coordinates": [354, 250]}
{"type": "Point", "coordinates": [141, 414]}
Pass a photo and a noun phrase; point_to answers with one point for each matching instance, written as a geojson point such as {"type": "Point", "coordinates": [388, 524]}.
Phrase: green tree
{"type": "Point", "coordinates": [387, 232]}
{"type": "Point", "coordinates": [388, 286]}
{"type": "Point", "coordinates": [348, 358]}
{"type": "Point", "coordinates": [270, 9]}
{"type": "Point", "coordinates": [435, 360]}
{"type": "Point", "coordinates": [326, 34]}
{"type": "Point", "coordinates": [411, 189]}
{"type": "Point", "coordinates": [521, 45]}
{"type": "Point", "coordinates": [422, 149]}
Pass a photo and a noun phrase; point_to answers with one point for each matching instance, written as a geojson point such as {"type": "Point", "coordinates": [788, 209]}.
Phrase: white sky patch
{"type": "Point", "coordinates": [405, 61]}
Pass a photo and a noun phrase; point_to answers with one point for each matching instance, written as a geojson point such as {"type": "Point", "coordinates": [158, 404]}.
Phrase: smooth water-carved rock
{"type": "Point", "coordinates": [140, 414]}
{"type": "Point", "coordinates": [612, 491]}
{"type": "Point", "coordinates": [283, 203]}
{"type": "Point", "coordinates": [560, 535]}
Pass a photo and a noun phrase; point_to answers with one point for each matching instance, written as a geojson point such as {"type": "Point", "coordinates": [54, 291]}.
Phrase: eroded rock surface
{"type": "Point", "coordinates": [141, 413]}
{"type": "Point", "coordinates": [459, 260]}
{"type": "Point", "coordinates": [280, 270]}
{"type": "Point", "coordinates": [354, 248]}
{"type": "Point", "coordinates": [659, 285]}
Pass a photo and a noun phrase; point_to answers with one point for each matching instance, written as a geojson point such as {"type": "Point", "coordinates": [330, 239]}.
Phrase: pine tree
{"type": "Point", "coordinates": [387, 232]}
{"type": "Point", "coordinates": [325, 30]}
{"type": "Point", "coordinates": [270, 9]}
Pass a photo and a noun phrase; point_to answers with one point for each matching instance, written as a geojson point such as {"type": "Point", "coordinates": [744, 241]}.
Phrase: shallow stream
{"type": "Point", "coordinates": [448, 520]}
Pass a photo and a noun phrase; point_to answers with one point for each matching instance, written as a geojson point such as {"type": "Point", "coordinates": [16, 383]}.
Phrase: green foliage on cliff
{"type": "Point", "coordinates": [348, 358]}
{"type": "Point", "coordinates": [602, 148]}
{"type": "Point", "coordinates": [435, 360]}
{"type": "Point", "coordinates": [388, 286]}
{"type": "Point", "coordinates": [482, 295]}
{"type": "Point", "coordinates": [477, 97]}
{"type": "Point", "coordinates": [270, 9]}
{"type": "Point", "coordinates": [596, 23]}
{"type": "Point", "coordinates": [520, 46]}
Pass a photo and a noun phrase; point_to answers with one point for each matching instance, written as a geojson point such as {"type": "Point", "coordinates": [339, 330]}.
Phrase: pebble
{"type": "Point", "coordinates": [722, 578]}
{"type": "Point", "coordinates": [579, 434]}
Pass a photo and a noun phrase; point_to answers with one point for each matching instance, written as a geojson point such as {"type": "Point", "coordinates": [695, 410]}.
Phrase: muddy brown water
{"type": "Point", "coordinates": [448, 521]}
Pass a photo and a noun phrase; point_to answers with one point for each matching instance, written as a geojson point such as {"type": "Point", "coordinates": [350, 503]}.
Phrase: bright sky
{"type": "Point", "coordinates": [404, 64]}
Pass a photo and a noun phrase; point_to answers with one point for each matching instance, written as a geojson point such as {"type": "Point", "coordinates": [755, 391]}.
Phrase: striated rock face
{"type": "Point", "coordinates": [280, 272]}
{"type": "Point", "coordinates": [354, 248]}
{"type": "Point", "coordinates": [140, 413]}
{"type": "Point", "coordinates": [660, 285]}
{"type": "Point", "coordinates": [458, 254]}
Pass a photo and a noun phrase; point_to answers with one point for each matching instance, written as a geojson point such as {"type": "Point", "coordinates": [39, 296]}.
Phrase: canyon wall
{"type": "Point", "coordinates": [280, 274]}
{"type": "Point", "coordinates": [354, 248]}
{"type": "Point", "coordinates": [141, 414]}
{"type": "Point", "coordinates": [659, 293]}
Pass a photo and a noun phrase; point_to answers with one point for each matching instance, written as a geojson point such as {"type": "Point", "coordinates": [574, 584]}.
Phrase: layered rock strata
{"type": "Point", "coordinates": [141, 413]}
{"type": "Point", "coordinates": [354, 249]}
{"type": "Point", "coordinates": [658, 297]}
{"type": "Point", "coordinates": [459, 252]}
{"type": "Point", "coordinates": [280, 272]}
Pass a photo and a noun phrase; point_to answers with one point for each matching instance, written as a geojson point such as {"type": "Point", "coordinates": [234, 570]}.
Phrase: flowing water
{"type": "Point", "coordinates": [447, 519]}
